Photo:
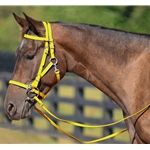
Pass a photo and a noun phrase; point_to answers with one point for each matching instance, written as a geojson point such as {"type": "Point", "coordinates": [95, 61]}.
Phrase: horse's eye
{"type": "Point", "coordinates": [29, 57]}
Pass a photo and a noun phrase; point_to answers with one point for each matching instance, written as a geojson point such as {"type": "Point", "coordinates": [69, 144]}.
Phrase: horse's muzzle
{"type": "Point", "coordinates": [16, 114]}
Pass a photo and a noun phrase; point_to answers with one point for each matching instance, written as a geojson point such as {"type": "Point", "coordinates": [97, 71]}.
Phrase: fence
{"type": "Point", "coordinates": [76, 100]}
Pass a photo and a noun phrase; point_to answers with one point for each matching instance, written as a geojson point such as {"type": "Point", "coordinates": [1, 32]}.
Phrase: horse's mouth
{"type": "Point", "coordinates": [26, 112]}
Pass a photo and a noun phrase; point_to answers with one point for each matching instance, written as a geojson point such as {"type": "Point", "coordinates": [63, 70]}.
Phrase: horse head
{"type": "Point", "coordinates": [29, 58]}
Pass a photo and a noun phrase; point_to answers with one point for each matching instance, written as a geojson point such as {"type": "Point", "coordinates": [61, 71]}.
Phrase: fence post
{"type": "Point", "coordinates": [54, 108]}
{"type": "Point", "coordinates": [79, 111]}
{"type": "Point", "coordinates": [107, 117]}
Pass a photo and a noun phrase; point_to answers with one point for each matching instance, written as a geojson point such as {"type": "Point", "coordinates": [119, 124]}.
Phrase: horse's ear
{"type": "Point", "coordinates": [34, 25]}
{"type": "Point", "coordinates": [21, 22]}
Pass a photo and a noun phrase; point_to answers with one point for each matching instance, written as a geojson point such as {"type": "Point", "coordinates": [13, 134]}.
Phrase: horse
{"type": "Point", "coordinates": [114, 61]}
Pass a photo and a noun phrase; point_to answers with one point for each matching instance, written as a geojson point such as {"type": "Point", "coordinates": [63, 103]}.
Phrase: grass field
{"type": "Point", "coordinates": [8, 136]}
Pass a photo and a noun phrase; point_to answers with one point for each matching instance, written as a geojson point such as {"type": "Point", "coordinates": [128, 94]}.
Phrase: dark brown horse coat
{"type": "Point", "coordinates": [114, 61]}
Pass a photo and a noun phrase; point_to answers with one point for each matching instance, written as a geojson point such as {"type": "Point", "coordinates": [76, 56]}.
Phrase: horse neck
{"type": "Point", "coordinates": [102, 57]}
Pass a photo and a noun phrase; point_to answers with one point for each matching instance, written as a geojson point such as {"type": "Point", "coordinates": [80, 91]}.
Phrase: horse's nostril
{"type": "Point", "coordinates": [11, 109]}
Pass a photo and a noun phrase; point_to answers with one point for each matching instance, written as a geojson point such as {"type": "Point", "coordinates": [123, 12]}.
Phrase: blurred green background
{"type": "Point", "coordinates": [129, 18]}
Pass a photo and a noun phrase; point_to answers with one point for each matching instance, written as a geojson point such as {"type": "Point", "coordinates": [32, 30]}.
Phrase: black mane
{"type": "Point", "coordinates": [101, 27]}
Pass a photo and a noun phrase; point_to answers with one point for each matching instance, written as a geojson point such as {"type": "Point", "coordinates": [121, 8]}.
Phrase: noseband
{"type": "Point", "coordinates": [49, 49]}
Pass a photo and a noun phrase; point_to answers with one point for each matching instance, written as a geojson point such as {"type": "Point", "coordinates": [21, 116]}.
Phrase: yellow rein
{"type": "Point", "coordinates": [83, 125]}
{"type": "Point", "coordinates": [41, 72]}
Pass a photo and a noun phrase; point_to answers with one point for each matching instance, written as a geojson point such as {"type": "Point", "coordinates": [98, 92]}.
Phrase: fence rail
{"type": "Point", "coordinates": [79, 106]}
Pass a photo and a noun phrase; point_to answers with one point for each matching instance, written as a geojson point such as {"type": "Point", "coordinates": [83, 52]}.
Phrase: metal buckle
{"type": "Point", "coordinates": [30, 90]}
{"type": "Point", "coordinates": [54, 64]}
{"type": "Point", "coordinates": [54, 59]}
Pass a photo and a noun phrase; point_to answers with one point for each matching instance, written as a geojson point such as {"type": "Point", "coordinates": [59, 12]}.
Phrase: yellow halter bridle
{"type": "Point", "coordinates": [33, 87]}
{"type": "Point", "coordinates": [49, 45]}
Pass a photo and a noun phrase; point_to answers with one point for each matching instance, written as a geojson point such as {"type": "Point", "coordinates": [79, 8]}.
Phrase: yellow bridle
{"type": "Point", "coordinates": [33, 87]}
{"type": "Point", "coordinates": [49, 45]}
